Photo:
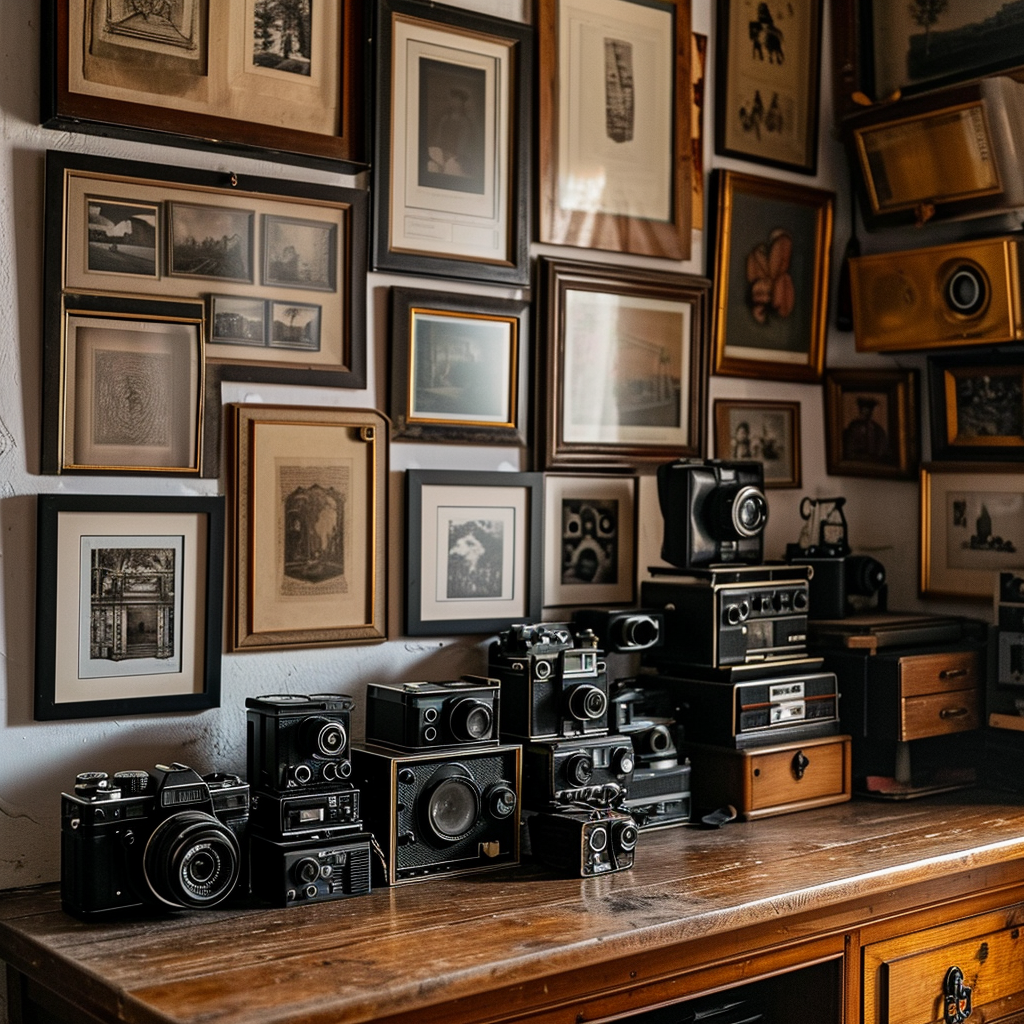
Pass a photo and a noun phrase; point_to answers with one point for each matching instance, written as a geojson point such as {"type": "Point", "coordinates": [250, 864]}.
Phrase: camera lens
{"type": "Point", "coordinates": [635, 632]}
{"type": "Point", "coordinates": [325, 736]}
{"type": "Point", "coordinates": [501, 800]}
{"type": "Point", "coordinates": [864, 575]}
{"type": "Point", "coordinates": [598, 838]}
{"type": "Point", "coordinates": [471, 720]}
{"type": "Point", "coordinates": [627, 834]}
{"type": "Point", "coordinates": [452, 806]}
{"type": "Point", "coordinates": [749, 512]}
{"type": "Point", "coordinates": [966, 291]}
{"type": "Point", "coordinates": [306, 870]}
{"type": "Point", "coordinates": [579, 769]}
{"type": "Point", "coordinates": [191, 860]}
{"type": "Point", "coordinates": [587, 703]}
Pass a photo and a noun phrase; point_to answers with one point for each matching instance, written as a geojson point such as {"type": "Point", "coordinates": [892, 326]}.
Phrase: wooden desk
{"type": "Point", "coordinates": [829, 891]}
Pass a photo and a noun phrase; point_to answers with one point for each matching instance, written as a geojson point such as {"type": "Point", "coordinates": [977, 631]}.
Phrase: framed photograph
{"type": "Point", "coordinates": [770, 247]}
{"type": "Point", "coordinates": [300, 253]}
{"type": "Point", "coordinates": [473, 548]}
{"type": "Point", "coordinates": [766, 431]}
{"type": "Point", "coordinates": [977, 406]}
{"type": "Point", "coordinates": [128, 605]}
{"type": "Point", "coordinates": [295, 325]}
{"type": "Point", "coordinates": [309, 505]}
{"type": "Point", "coordinates": [615, 109]}
{"type": "Point", "coordinates": [250, 76]}
{"type": "Point", "coordinates": [972, 528]}
{"type": "Point", "coordinates": [452, 149]}
{"type": "Point", "coordinates": [459, 367]}
{"type": "Point", "coordinates": [123, 237]}
{"type": "Point", "coordinates": [210, 241]}
{"type": "Point", "coordinates": [768, 83]}
{"type": "Point", "coordinates": [238, 320]}
{"type": "Point", "coordinates": [589, 540]}
{"type": "Point", "coordinates": [625, 381]}
{"type": "Point", "coordinates": [871, 423]}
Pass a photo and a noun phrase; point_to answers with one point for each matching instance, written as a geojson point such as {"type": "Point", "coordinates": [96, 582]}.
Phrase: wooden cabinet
{"type": "Point", "coordinates": [938, 693]}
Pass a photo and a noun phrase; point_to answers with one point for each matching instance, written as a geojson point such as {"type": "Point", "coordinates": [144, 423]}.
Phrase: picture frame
{"type": "Point", "coordinates": [309, 494]}
{"type": "Point", "coordinates": [183, 80]}
{"type": "Point", "coordinates": [767, 89]}
{"type": "Point", "coordinates": [589, 540]}
{"type": "Point", "coordinates": [768, 432]}
{"type": "Point", "coordinates": [957, 498]}
{"type": "Point", "coordinates": [615, 88]}
{"type": "Point", "coordinates": [473, 548]}
{"type": "Point", "coordinates": [771, 251]}
{"type": "Point", "coordinates": [625, 381]}
{"type": "Point", "coordinates": [460, 367]}
{"type": "Point", "coordinates": [129, 602]}
{"type": "Point", "coordinates": [452, 149]}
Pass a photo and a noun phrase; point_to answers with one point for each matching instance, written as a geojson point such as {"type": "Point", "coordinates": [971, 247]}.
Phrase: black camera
{"type": "Point", "coordinates": [592, 769]}
{"type": "Point", "coordinates": [294, 814]}
{"type": "Point", "coordinates": [583, 841]}
{"type": "Point", "coordinates": [714, 511]}
{"type": "Point", "coordinates": [310, 870]}
{"type": "Point", "coordinates": [167, 837]}
{"type": "Point", "coordinates": [623, 630]}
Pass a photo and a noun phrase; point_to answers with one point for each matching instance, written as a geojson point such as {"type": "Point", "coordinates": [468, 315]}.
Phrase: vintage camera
{"type": "Point", "coordinates": [582, 841]}
{"type": "Point", "coordinates": [167, 838]}
{"type": "Point", "coordinates": [622, 630]}
{"type": "Point", "coordinates": [591, 769]}
{"type": "Point", "coordinates": [295, 814]}
{"type": "Point", "coordinates": [298, 741]}
{"type": "Point", "coordinates": [715, 512]}
{"type": "Point", "coordinates": [424, 716]}
{"type": "Point", "coordinates": [310, 870]}
{"type": "Point", "coordinates": [552, 683]}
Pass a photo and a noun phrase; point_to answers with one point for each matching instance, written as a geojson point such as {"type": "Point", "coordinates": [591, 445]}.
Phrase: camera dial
{"type": "Point", "coordinates": [623, 760]}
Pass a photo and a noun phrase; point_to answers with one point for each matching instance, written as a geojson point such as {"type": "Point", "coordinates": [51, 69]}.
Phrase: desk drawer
{"type": "Point", "coordinates": [922, 674]}
{"type": "Point", "coordinates": [938, 714]}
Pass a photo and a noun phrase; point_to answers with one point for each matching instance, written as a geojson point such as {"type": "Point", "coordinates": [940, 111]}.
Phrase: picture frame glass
{"type": "Point", "coordinates": [767, 433]}
{"type": "Point", "coordinates": [985, 406]}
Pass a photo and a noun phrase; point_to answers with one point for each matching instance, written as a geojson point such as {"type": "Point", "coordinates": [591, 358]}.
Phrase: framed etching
{"type": "Point", "coordinates": [309, 505]}
{"type": "Point", "coordinates": [615, 109]}
{"type": "Point", "coordinates": [768, 432]}
{"type": "Point", "coordinates": [452, 148]}
{"type": "Point", "coordinates": [128, 605]}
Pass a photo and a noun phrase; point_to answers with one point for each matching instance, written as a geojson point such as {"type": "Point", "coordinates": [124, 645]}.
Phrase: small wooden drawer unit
{"type": "Point", "coordinates": [939, 693]}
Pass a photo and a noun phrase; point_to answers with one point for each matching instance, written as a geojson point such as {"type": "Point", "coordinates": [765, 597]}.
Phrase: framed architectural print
{"type": "Point", "coordinates": [309, 506]}
{"type": "Point", "coordinates": [768, 432]}
{"type": "Point", "coordinates": [128, 605]}
{"type": "Point", "coordinates": [452, 152]}
{"type": "Point", "coordinates": [615, 109]}
{"type": "Point", "coordinates": [474, 543]}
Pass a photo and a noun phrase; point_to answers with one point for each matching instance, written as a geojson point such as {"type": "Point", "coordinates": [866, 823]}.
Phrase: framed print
{"type": "Point", "coordinates": [625, 381]}
{"type": "Point", "coordinates": [128, 605]}
{"type": "Point", "coordinates": [615, 109]}
{"type": "Point", "coordinates": [300, 253]}
{"type": "Point", "coordinates": [295, 325]}
{"type": "Point", "coordinates": [251, 76]}
{"type": "Point", "coordinates": [452, 149]}
{"type": "Point", "coordinates": [238, 320]}
{"type": "Point", "coordinates": [766, 431]}
{"type": "Point", "coordinates": [972, 528]}
{"type": "Point", "coordinates": [589, 540]}
{"type": "Point", "coordinates": [459, 367]}
{"type": "Point", "coordinates": [210, 241]}
{"type": "Point", "coordinates": [871, 423]}
{"type": "Point", "coordinates": [309, 506]}
{"type": "Point", "coordinates": [473, 549]}
{"type": "Point", "coordinates": [770, 247]}
{"type": "Point", "coordinates": [768, 83]}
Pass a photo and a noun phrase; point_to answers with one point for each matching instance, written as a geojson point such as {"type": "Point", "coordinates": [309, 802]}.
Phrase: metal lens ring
{"type": "Point", "coordinates": [627, 835]}
{"type": "Point", "coordinates": [749, 511]}
{"type": "Point", "coordinates": [966, 289]}
{"type": "Point", "coordinates": [471, 720]}
{"type": "Point", "coordinates": [452, 804]}
{"type": "Point", "coordinates": [326, 736]}
{"type": "Point", "coordinates": [637, 631]}
{"type": "Point", "coordinates": [191, 860]}
{"type": "Point", "coordinates": [587, 703]}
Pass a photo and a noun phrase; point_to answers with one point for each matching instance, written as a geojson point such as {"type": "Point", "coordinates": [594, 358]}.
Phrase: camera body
{"type": "Point", "coordinates": [592, 769]}
{"type": "Point", "coordinates": [295, 814]}
{"type": "Point", "coordinates": [838, 578]}
{"type": "Point", "coordinates": [583, 841]}
{"type": "Point", "coordinates": [310, 869]}
{"type": "Point", "coordinates": [623, 630]}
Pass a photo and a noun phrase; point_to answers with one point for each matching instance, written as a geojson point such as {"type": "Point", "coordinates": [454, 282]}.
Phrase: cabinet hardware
{"type": "Point", "coordinates": [956, 997]}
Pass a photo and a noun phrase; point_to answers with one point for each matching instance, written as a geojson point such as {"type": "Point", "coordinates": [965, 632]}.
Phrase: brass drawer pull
{"type": "Point", "coordinates": [956, 997]}
{"type": "Point", "coordinates": [953, 712]}
{"type": "Point", "coordinates": [952, 673]}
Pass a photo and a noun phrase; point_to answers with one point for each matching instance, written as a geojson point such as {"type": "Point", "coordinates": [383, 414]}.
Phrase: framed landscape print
{"type": "Point", "coordinates": [768, 432]}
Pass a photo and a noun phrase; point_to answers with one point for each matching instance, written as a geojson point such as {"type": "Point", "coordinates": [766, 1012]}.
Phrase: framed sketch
{"type": "Point", "coordinates": [615, 109]}
{"type": "Point", "coordinates": [768, 432]}
{"type": "Point", "coordinates": [625, 381]}
{"type": "Point", "coordinates": [452, 148]}
{"type": "Point", "coordinates": [972, 527]}
{"type": "Point", "coordinates": [871, 423]}
{"type": "Point", "coordinates": [770, 247]}
{"type": "Point", "coordinates": [473, 549]}
{"type": "Point", "coordinates": [589, 540]}
{"type": "Point", "coordinates": [768, 83]}
{"type": "Point", "coordinates": [250, 76]}
{"type": "Point", "coordinates": [459, 367]}
{"type": "Point", "coordinates": [128, 605]}
{"type": "Point", "coordinates": [309, 506]}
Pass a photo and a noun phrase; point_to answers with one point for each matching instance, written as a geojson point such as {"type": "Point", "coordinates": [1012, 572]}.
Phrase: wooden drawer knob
{"type": "Point", "coordinates": [956, 997]}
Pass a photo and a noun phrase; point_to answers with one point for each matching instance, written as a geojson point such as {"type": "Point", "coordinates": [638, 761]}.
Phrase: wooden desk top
{"type": "Point", "coordinates": [521, 941]}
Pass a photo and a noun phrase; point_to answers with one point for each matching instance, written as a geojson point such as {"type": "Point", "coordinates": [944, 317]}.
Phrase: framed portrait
{"type": "Point", "coordinates": [972, 528]}
{"type": "Point", "coordinates": [309, 506]}
{"type": "Point", "coordinates": [625, 381]}
{"type": "Point", "coordinates": [768, 432]}
{"type": "Point", "coordinates": [459, 367]}
{"type": "Point", "coordinates": [770, 247]}
{"type": "Point", "coordinates": [768, 83]}
{"type": "Point", "coordinates": [473, 549]}
{"type": "Point", "coordinates": [128, 605]}
{"type": "Point", "coordinates": [251, 77]}
{"type": "Point", "coordinates": [589, 540]}
{"type": "Point", "coordinates": [871, 423]}
{"type": "Point", "coordinates": [615, 109]}
{"type": "Point", "coordinates": [452, 149]}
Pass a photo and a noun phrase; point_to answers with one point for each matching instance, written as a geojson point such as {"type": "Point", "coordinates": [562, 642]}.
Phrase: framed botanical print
{"type": "Point", "coordinates": [768, 432]}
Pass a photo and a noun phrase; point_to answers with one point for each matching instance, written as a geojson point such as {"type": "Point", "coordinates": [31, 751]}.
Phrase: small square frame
{"type": "Point", "coordinates": [772, 437]}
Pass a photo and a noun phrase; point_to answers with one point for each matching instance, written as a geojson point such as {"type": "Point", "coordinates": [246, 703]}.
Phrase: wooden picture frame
{"type": "Point", "coordinates": [614, 89]}
{"type": "Point", "coordinates": [309, 507]}
{"type": "Point", "coordinates": [768, 432]}
{"type": "Point", "coordinates": [871, 423]}
{"type": "Point", "coordinates": [182, 80]}
{"type": "Point", "coordinates": [452, 151]}
{"type": "Point", "coordinates": [625, 382]}
{"type": "Point", "coordinates": [771, 249]}
{"type": "Point", "coordinates": [767, 87]}
{"type": "Point", "coordinates": [459, 367]}
{"type": "Point", "coordinates": [473, 549]}
{"type": "Point", "coordinates": [129, 603]}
